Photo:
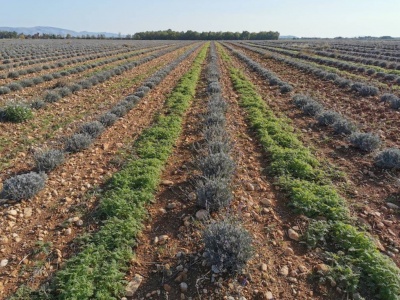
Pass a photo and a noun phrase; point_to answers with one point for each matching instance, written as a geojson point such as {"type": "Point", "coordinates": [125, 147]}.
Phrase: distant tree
{"type": "Point", "coordinates": [245, 35]}
{"type": "Point", "coordinates": [194, 35]}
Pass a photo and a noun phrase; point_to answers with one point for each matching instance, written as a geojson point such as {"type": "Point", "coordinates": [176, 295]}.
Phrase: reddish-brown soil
{"type": "Point", "coordinates": [365, 187]}
{"type": "Point", "coordinates": [161, 265]}
{"type": "Point", "coordinates": [37, 239]}
{"type": "Point", "coordinates": [110, 54]}
{"type": "Point", "coordinates": [36, 91]}
{"type": "Point", "coordinates": [51, 125]}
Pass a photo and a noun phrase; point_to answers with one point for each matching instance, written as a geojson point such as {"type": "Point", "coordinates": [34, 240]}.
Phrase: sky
{"type": "Point", "coordinates": [302, 18]}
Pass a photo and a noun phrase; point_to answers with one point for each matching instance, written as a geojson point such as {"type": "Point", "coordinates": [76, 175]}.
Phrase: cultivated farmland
{"type": "Point", "coordinates": [199, 170]}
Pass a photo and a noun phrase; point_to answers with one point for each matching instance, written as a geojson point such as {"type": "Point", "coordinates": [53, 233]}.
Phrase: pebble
{"type": "Point", "coordinates": [284, 271]}
{"type": "Point", "coordinates": [72, 220]}
{"type": "Point", "coordinates": [264, 267]}
{"type": "Point", "coordinates": [163, 238]}
{"type": "Point", "coordinates": [12, 212]}
{"type": "Point", "coordinates": [202, 214]}
{"type": "Point", "coordinates": [269, 296]}
{"type": "Point", "coordinates": [303, 269]}
{"type": "Point", "coordinates": [293, 234]}
{"type": "Point", "coordinates": [27, 212]}
{"type": "Point", "coordinates": [133, 285]}
{"type": "Point", "coordinates": [322, 268]}
{"type": "Point", "coordinates": [171, 205]}
{"type": "Point", "coordinates": [266, 202]}
{"type": "Point", "coordinates": [183, 286]}
{"type": "Point", "coordinates": [162, 210]}
{"type": "Point", "coordinates": [289, 251]}
{"type": "Point", "coordinates": [4, 263]}
{"type": "Point", "coordinates": [249, 187]}
{"type": "Point", "coordinates": [68, 231]}
{"type": "Point", "coordinates": [167, 182]}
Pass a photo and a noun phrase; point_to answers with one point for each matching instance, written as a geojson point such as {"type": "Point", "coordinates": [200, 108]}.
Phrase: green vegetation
{"type": "Point", "coordinates": [300, 175]}
{"type": "Point", "coordinates": [16, 112]}
{"type": "Point", "coordinates": [97, 272]}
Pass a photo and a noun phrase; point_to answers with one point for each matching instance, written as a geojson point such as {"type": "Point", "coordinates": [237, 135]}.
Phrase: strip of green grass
{"type": "Point", "coordinates": [97, 272]}
{"type": "Point", "coordinates": [301, 176]}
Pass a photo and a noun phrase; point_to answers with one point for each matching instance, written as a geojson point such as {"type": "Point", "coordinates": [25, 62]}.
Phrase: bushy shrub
{"type": "Point", "coordinates": [108, 119]}
{"type": "Point", "coordinates": [47, 77]}
{"type": "Point", "coordinates": [216, 103]}
{"type": "Point", "coordinates": [227, 246]}
{"type": "Point", "coordinates": [77, 142]}
{"type": "Point", "coordinates": [365, 141]}
{"type": "Point", "coordinates": [274, 81]}
{"type": "Point", "coordinates": [13, 74]}
{"type": "Point", "coordinates": [37, 80]}
{"type": "Point", "coordinates": [47, 160]}
{"type": "Point", "coordinates": [390, 77]}
{"type": "Point", "coordinates": [214, 118]}
{"type": "Point", "coordinates": [215, 133]}
{"type": "Point", "coordinates": [218, 146]}
{"type": "Point", "coordinates": [133, 99]}
{"type": "Point", "coordinates": [301, 100]}
{"type": "Point", "coordinates": [26, 82]}
{"type": "Point", "coordinates": [85, 84]}
{"type": "Point", "coordinates": [388, 97]}
{"type": "Point", "coordinates": [15, 86]}
{"type": "Point", "coordinates": [328, 117]}
{"type": "Point", "coordinates": [312, 108]}
{"type": "Point", "coordinates": [64, 92]}
{"type": "Point", "coordinates": [344, 126]}
{"type": "Point", "coordinates": [119, 110]}
{"type": "Point", "coordinates": [139, 94]}
{"type": "Point", "coordinates": [56, 75]}
{"type": "Point", "coordinates": [94, 129]}
{"type": "Point", "coordinates": [219, 164]}
{"type": "Point", "coordinates": [144, 89]}
{"type": "Point", "coordinates": [51, 97]}
{"type": "Point", "coordinates": [75, 87]}
{"type": "Point", "coordinates": [16, 112]}
{"type": "Point", "coordinates": [286, 88]}
{"type": "Point", "coordinates": [364, 90]}
{"type": "Point", "coordinates": [23, 186]}
{"type": "Point", "coordinates": [38, 104]}
{"type": "Point", "coordinates": [4, 90]}
{"type": "Point", "coordinates": [342, 82]}
{"type": "Point", "coordinates": [213, 193]}
{"type": "Point", "coordinates": [331, 76]}
{"type": "Point", "coordinates": [388, 159]}
{"type": "Point", "coordinates": [214, 88]}
{"type": "Point", "coordinates": [395, 103]}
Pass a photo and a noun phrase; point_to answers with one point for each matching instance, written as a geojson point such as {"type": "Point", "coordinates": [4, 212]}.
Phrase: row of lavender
{"type": "Point", "coordinates": [227, 243]}
{"type": "Point", "coordinates": [388, 158]}
{"type": "Point", "coordinates": [27, 185]}
{"type": "Point", "coordinates": [17, 111]}
{"type": "Point", "coordinates": [360, 88]}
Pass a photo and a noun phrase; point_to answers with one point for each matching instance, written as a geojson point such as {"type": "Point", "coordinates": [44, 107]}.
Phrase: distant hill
{"type": "Point", "coordinates": [287, 37]}
{"type": "Point", "coordinates": [53, 30]}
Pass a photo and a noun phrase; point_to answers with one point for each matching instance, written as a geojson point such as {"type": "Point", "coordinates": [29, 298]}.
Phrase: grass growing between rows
{"type": "Point", "coordinates": [97, 272]}
{"type": "Point", "coordinates": [50, 127]}
{"type": "Point", "coordinates": [300, 175]}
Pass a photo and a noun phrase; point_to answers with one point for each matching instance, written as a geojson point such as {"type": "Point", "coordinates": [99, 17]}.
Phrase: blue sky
{"type": "Point", "coordinates": [322, 18]}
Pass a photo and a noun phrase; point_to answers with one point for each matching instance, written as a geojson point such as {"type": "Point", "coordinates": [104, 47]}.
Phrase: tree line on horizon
{"type": "Point", "coordinates": [210, 35]}
{"type": "Point", "coordinates": [157, 35]}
